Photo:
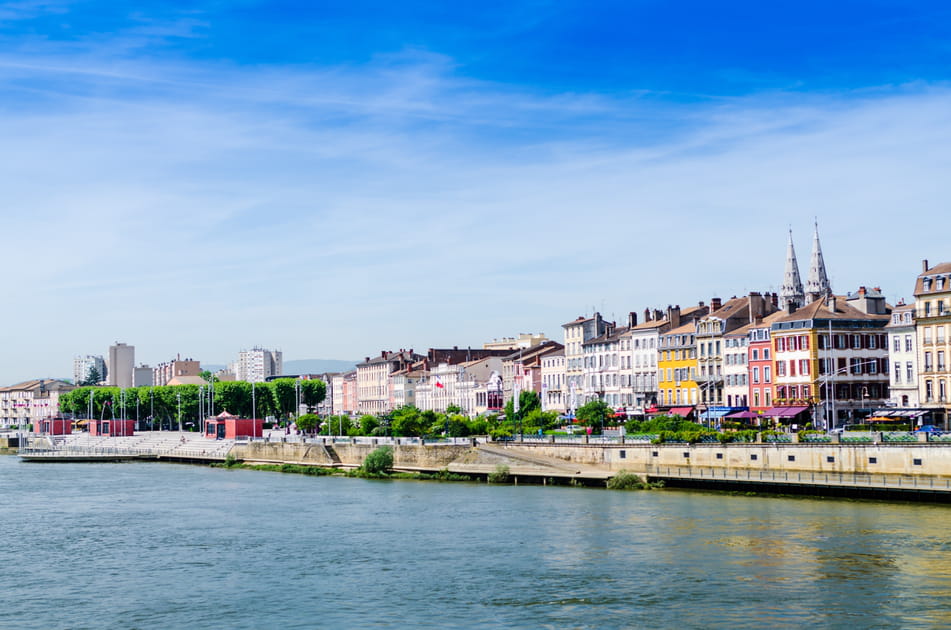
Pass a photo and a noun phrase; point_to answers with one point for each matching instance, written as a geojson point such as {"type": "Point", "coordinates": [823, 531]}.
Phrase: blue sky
{"type": "Point", "coordinates": [336, 178]}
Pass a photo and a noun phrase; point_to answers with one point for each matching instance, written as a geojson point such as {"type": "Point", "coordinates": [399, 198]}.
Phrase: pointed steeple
{"type": "Point", "coordinates": [791, 291]}
{"type": "Point", "coordinates": [817, 286]}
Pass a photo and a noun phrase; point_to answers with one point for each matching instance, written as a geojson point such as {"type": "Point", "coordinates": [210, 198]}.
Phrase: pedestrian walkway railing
{"type": "Point", "coordinates": [851, 480]}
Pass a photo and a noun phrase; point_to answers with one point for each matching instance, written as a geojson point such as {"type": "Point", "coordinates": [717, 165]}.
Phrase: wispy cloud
{"type": "Point", "coordinates": [412, 205]}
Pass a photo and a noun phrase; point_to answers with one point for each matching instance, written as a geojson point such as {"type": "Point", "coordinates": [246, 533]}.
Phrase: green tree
{"type": "Point", "coordinates": [308, 422]}
{"type": "Point", "coordinates": [368, 424]}
{"type": "Point", "coordinates": [527, 403]}
{"type": "Point", "coordinates": [313, 392]}
{"type": "Point", "coordinates": [406, 421]}
{"type": "Point", "coordinates": [93, 377]}
{"type": "Point", "coordinates": [593, 414]}
{"type": "Point", "coordinates": [379, 461]}
{"type": "Point", "coordinates": [285, 395]}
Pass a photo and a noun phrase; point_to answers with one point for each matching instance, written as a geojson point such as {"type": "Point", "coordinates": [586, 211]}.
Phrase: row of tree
{"type": "Point", "coordinates": [167, 404]}
{"type": "Point", "coordinates": [409, 421]}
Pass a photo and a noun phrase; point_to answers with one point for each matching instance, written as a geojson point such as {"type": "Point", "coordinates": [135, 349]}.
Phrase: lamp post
{"type": "Point", "coordinates": [179, 396]}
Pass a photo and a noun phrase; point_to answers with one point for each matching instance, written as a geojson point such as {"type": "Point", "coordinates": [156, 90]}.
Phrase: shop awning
{"type": "Point", "coordinates": [899, 413]}
{"type": "Point", "coordinates": [719, 412]}
{"type": "Point", "coordinates": [680, 411]}
{"type": "Point", "coordinates": [743, 415]}
{"type": "Point", "coordinates": [784, 412]}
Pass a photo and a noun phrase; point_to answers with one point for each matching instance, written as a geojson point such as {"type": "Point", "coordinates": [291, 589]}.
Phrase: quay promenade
{"type": "Point", "coordinates": [863, 464]}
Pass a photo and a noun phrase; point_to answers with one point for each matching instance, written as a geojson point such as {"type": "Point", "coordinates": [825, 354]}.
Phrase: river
{"type": "Point", "coordinates": [149, 545]}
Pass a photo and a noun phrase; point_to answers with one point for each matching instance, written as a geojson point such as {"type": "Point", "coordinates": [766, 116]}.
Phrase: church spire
{"type": "Point", "coordinates": [817, 286]}
{"type": "Point", "coordinates": [791, 291]}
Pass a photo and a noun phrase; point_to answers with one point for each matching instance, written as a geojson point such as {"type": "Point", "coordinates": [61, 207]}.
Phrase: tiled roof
{"type": "Point", "coordinates": [942, 269]}
{"type": "Point", "coordinates": [820, 310]}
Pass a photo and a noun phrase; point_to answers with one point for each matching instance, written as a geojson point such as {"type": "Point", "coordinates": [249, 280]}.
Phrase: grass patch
{"type": "Point", "coordinates": [499, 475]}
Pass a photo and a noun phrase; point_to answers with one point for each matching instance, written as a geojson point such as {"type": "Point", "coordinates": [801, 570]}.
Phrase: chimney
{"type": "Point", "coordinates": [790, 307]}
{"type": "Point", "coordinates": [673, 315]}
{"type": "Point", "coordinates": [774, 300]}
{"type": "Point", "coordinates": [455, 347]}
{"type": "Point", "coordinates": [631, 319]}
{"type": "Point", "coordinates": [831, 303]}
{"type": "Point", "coordinates": [658, 315]}
{"type": "Point", "coordinates": [861, 290]}
{"type": "Point", "coordinates": [757, 306]}
{"type": "Point", "coordinates": [715, 304]}
{"type": "Point", "coordinates": [924, 266]}
{"type": "Point", "coordinates": [647, 315]}
{"type": "Point", "coordinates": [366, 359]}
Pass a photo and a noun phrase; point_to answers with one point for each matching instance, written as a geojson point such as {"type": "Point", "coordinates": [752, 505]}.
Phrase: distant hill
{"type": "Point", "coordinates": [317, 366]}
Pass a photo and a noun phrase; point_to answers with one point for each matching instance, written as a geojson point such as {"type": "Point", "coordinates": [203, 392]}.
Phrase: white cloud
{"type": "Point", "coordinates": [334, 212]}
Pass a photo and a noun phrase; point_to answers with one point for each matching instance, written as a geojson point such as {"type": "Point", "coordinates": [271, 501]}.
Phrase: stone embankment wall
{"type": "Point", "coordinates": [901, 459]}
{"type": "Point", "coordinates": [405, 456]}
{"type": "Point", "coordinates": [915, 459]}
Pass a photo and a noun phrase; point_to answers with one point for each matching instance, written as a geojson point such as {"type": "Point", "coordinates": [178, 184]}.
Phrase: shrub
{"type": "Point", "coordinates": [378, 462]}
{"type": "Point", "coordinates": [500, 475]}
{"type": "Point", "coordinates": [626, 481]}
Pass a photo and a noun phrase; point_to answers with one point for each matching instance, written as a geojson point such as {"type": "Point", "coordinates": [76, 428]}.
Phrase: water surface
{"type": "Point", "coordinates": [152, 545]}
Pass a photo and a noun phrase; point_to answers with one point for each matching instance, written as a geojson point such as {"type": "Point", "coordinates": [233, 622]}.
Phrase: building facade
{"type": "Point", "coordinates": [83, 366]}
{"type": "Point", "coordinates": [257, 364]}
{"type": "Point", "coordinates": [121, 364]}
{"type": "Point", "coordinates": [903, 357]}
{"type": "Point", "coordinates": [933, 325]}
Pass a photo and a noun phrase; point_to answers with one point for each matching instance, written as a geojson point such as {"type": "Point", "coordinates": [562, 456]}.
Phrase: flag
{"type": "Point", "coordinates": [439, 383]}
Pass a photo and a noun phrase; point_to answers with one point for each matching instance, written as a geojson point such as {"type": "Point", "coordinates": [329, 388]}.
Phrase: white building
{"type": "Point", "coordinates": [903, 357]}
{"type": "Point", "coordinates": [462, 384]}
{"type": "Point", "coordinates": [28, 402]}
{"type": "Point", "coordinates": [644, 340]}
{"type": "Point", "coordinates": [257, 364]}
{"type": "Point", "coordinates": [82, 365]}
{"type": "Point", "coordinates": [576, 333]}
{"type": "Point", "coordinates": [554, 395]}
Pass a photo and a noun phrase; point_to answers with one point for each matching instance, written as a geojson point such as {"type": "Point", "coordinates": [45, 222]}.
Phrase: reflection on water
{"type": "Point", "coordinates": [165, 546]}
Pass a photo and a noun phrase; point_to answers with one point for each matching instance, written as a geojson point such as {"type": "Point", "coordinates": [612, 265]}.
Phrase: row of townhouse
{"type": "Point", "coordinates": [802, 354]}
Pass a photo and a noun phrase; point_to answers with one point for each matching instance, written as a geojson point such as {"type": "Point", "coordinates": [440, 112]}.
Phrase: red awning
{"type": "Point", "coordinates": [680, 411]}
{"type": "Point", "coordinates": [784, 412]}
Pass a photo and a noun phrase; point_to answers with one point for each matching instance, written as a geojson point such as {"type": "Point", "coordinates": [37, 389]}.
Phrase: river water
{"type": "Point", "coordinates": [151, 545]}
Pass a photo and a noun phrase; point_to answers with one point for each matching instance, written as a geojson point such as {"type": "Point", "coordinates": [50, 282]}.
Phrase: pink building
{"type": "Point", "coordinates": [228, 427]}
{"type": "Point", "coordinates": [112, 428]}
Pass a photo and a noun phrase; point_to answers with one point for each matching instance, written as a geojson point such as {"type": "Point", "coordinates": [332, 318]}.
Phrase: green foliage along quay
{"type": "Point", "coordinates": [159, 406]}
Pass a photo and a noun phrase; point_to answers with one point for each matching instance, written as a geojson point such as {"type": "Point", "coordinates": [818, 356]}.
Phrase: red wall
{"type": "Point", "coordinates": [116, 427]}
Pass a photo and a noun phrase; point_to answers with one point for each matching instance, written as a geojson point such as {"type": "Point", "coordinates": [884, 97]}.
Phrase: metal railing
{"type": "Point", "coordinates": [837, 479]}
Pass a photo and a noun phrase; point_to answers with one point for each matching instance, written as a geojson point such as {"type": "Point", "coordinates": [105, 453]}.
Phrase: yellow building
{"type": "Point", "coordinates": [677, 367]}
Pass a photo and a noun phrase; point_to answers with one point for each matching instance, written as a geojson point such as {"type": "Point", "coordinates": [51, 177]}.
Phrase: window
{"type": "Point", "coordinates": [756, 375]}
{"type": "Point", "coordinates": [941, 366]}
{"type": "Point", "coordinates": [897, 373]}
{"type": "Point", "coordinates": [929, 391]}
{"type": "Point", "coordinates": [765, 354]}
{"type": "Point", "coordinates": [766, 375]}
{"type": "Point", "coordinates": [790, 458]}
{"type": "Point", "coordinates": [804, 367]}
{"type": "Point", "coordinates": [927, 333]}
{"type": "Point", "coordinates": [928, 364]}
{"type": "Point", "coordinates": [909, 372]}
{"type": "Point", "coordinates": [754, 456]}
{"type": "Point", "coordinates": [755, 355]}
{"type": "Point", "coordinates": [939, 334]}
{"type": "Point", "coordinates": [916, 461]}
{"type": "Point", "coordinates": [623, 454]}
{"type": "Point", "coordinates": [780, 368]}
{"type": "Point", "coordinates": [768, 397]}
{"type": "Point", "coordinates": [830, 459]}
{"type": "Point", "coordinates": [896, 343]}
{"type": "Point", "coordinates": [908, 343]}
{"type": "Point", "coordinates": [872, 460]}
{"type": "Point", "coordinates": [655, 454]}
{"type": "Point", "coordinates": [719, 455]}
{"type": "Point", "coordinates": [856, 342]}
